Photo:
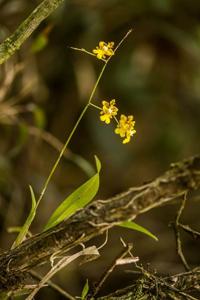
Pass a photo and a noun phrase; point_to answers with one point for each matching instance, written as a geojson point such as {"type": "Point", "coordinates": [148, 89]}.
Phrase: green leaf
{"type": "Point", "coordinates": [98, 164]}
{"type": "Point", "coordinates": [135, 226]}
{"type": "Point", "coordinates": [39, 43]}
{"type": "Point", "coordinates": [24, 229]}
{"type": "Point", "coordinates": [85, 290]}
{"type": "Point", "coordinates": [77, 200]}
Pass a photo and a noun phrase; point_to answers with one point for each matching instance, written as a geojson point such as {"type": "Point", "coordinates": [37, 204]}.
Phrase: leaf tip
{"type": "Point", "coordinates": [98, 163]}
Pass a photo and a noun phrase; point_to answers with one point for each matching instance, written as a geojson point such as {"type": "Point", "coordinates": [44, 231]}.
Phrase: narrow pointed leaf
{"type": "Point", "coordinates": [135, 226]}
{"type": "Point", "coordinates": [85, 290]}
{"type": "Point", "coordinates": [77, 200]}
{"type": "Point", "coordinates": [98, 164]}
{"type": "Point", "coordinates": [25, 228]}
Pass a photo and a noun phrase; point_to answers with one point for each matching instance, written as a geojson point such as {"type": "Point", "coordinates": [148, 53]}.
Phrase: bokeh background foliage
{"type": "Point", "coordinates": [155, 76]}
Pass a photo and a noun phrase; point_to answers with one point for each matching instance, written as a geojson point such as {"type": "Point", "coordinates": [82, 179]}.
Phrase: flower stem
{"type": "Point", "coordinates": [82, 50]}
{"type": "Point", "coordinates": [61, 154]}
{"type": "Point", "coordinates": [70, 136]}
{"type": "Point", "coordinates": [97, 82]}
{"type": "Point", "coordinates": [95, 106]}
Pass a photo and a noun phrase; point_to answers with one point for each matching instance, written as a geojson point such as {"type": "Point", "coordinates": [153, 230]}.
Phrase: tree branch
{"type": "Point", "coordinates": [14, 42]}
{"type": "Point", "coordinates": [96, 219]}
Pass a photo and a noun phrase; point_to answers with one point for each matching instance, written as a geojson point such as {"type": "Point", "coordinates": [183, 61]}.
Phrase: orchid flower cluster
{"type": "Point", "coordinates": [125, 124]}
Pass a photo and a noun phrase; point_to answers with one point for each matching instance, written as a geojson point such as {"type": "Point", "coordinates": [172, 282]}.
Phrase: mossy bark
{"type": "Point", "coordinates": [14, 42]}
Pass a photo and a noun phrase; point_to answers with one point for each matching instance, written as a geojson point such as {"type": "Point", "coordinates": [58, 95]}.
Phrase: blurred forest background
{"type": "Point", "coordinates": [155, 76]}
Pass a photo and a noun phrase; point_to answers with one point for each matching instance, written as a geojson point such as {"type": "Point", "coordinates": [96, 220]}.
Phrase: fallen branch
{"type": "Point", "coordinates": [96, 219]}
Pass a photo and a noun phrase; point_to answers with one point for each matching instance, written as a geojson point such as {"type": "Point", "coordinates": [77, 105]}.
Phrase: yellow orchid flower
{"type": "Point", "coordinates": [109, 110]}
{"type": "Point", "coordinates": [125, 128]}
{"type": "Point", "coordinates": [104, 50]}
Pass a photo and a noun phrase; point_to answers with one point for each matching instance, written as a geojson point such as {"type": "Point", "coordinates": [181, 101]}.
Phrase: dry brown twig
{"type": "Point", "coordinates": [118, 260]}
{"type": "Point", "coordinates": [53, 285]}
{"type": "Point", "coordinates": [194, 233]}
{"type": "Point", "coordinates": [177, 234]}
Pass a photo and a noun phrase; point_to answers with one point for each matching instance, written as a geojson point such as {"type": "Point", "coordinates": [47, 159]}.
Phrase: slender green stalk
{"type": "Point", "coordinates": [97, 82]}
{"type": "Point", "coordinates": [70, 136]}
{"type": "Point", "coordinates": [95, 106]}
{"type": "Point", "coordinates": [61, 154]}
{"type": "Point", "coordinates": [83, 50]}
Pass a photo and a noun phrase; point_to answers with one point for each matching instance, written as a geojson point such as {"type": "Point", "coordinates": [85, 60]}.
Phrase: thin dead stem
{"type": "Point", "coordinates": [109, 270]}
{"type": "Point", "coordinates": [178, 236]}
{"type": "Point", "coordinates": [54, 286]}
